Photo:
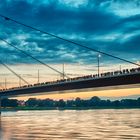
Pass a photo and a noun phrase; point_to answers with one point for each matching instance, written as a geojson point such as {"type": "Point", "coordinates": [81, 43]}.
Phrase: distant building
{"type": "Point", "coordinates": [21, 103]}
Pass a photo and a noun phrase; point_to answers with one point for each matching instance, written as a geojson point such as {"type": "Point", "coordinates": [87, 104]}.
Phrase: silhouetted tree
{"type": "Point", "coordinates": [9, 102]}
{"type": "Point", "coordinates": [116, 103]}
{"type": "Point", "coordinates": [70, 103]}
{"type": "Point", "coordinates": [61, 103]}
{"type": "Point", "coordinates": [138, 101]}
{"type": "Point", "coordinates": [78, 102]}
{"type": "Point", "coordinates": [95, 101]}
{"type": "Point", "coordinates": [32, 102]}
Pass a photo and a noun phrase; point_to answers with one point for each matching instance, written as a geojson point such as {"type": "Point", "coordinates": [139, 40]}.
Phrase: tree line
{"type": "Point", "coordinates": [76, 103]}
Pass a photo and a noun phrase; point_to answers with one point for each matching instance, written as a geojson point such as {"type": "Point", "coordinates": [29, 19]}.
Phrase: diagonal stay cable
{"type": "Point", "coordinates": [27, 54]}
{"type": "Point", "coordinates": [13, 72]}
{"type": "Point", "coordinates": [72, 42]}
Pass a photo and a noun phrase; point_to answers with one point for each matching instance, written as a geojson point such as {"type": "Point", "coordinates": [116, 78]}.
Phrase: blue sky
{"type": "Point", "coordinates": [112, 26]}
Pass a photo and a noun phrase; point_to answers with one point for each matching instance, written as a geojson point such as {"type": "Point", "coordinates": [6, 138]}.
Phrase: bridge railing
{"type": "Point", "coordinates": [95, 76]}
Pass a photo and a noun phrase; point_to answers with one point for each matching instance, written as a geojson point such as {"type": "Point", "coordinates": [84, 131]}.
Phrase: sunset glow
{"type": "Point", "coordinates": [122, 93]}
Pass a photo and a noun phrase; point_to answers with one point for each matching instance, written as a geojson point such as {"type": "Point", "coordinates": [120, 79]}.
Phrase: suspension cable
{"type": "Point", "coordinates": [17, 75]}
{"type": "Point", "coordinates": [72, 42]}
{"type": "Point", "coordinates": [27, 54]}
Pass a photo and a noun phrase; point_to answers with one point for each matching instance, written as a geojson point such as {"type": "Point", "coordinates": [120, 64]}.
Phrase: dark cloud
{"type": "Point", "coordinates": [92, 23]}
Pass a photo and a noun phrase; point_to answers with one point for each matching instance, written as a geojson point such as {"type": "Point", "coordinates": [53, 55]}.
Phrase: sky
{"type": "Point", "coordinates": [111, 26]}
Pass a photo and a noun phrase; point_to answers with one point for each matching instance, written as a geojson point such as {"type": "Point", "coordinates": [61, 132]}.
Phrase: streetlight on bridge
{"type": "Point", "coordinates": [63, 71]}
{"type": "Point", "coordinates": [99, 55]}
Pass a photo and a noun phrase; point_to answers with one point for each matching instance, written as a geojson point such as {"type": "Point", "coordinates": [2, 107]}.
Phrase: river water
{"type": "Point", "coordinates": [108, 124]}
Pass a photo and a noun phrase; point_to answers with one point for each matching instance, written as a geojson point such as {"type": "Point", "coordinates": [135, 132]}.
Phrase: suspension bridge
{"type": "Point", "coordinates": [125, 78]}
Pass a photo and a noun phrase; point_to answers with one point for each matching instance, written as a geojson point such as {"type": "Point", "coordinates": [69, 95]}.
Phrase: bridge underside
{"type": "Point", "coordinates": [103, 83]}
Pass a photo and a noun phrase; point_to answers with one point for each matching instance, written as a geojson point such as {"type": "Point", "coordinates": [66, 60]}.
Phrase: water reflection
{"type": "Point", "coordinates": [70, 125]}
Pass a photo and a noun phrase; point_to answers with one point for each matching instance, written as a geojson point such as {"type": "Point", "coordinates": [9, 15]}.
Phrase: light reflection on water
{"type": "Point", "coordinates": [71, 125]}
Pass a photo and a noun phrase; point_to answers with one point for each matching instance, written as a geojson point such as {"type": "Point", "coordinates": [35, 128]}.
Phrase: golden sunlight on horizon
{"type": "Point", "coordinates": [89, 94]}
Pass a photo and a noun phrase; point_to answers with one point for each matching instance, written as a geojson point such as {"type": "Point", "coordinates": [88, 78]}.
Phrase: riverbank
{"type": "Point", "coordinates": [63, 108]}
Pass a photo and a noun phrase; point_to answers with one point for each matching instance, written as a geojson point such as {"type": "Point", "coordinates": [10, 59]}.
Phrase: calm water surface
{"type": "Point", "coordinates": [71, 125]}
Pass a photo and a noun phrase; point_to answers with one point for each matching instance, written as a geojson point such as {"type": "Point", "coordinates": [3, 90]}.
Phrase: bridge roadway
{"type": "Point", "coordinates": [101, 83]}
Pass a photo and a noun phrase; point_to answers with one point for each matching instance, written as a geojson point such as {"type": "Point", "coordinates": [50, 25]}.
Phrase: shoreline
{"type": "Point", "coordinates": [63, 108]}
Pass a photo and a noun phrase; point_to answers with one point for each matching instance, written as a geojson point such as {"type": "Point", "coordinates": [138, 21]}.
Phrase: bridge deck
{"type": "Point", "coordinates": [90, 83]}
